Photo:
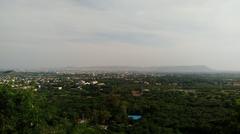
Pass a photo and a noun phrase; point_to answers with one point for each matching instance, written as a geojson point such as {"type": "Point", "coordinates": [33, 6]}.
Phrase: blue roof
{"type": "Point", "coordinates": [135, 117]}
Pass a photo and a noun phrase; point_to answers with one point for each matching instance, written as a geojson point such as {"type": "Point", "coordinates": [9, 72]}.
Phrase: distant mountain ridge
{"type": "Point", "coordinates": [163, 69]}
{"type": "Point", "coordinates": [7, 71]}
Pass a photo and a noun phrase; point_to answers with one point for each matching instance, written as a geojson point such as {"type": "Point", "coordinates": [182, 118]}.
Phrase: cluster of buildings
{"type": "Point", "coordinates": [47, 81]}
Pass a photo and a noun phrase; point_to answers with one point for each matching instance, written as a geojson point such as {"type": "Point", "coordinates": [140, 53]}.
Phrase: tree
{"type": "Point", "coordinates": [20, 111]}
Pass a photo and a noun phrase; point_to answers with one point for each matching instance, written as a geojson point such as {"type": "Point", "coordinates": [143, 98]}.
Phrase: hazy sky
{"type": "Point", "coordinates": [59, 33]}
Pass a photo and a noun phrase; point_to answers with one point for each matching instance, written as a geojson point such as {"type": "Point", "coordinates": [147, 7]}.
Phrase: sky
{"type": "Point", "coordinates": [75, 33]}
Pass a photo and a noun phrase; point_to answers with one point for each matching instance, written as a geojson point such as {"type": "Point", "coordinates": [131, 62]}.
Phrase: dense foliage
{"type": "Point", "coordinates": [191, 109]}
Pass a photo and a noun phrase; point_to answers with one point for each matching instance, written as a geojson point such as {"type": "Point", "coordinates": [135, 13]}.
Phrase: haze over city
{"type": "Point", "coordinates": [75, 33]}
{"type": "Point", "coordinates": [119, 67]}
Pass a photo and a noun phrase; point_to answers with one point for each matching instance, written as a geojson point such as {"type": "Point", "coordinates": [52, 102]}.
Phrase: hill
{"type": "Point", "coordinates": [163, 69]}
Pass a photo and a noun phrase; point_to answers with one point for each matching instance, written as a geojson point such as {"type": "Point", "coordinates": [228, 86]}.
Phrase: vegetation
{"type": "Point", "coordinates": [195, 105]}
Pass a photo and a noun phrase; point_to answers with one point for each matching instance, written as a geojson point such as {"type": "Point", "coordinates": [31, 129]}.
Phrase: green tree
{"type": "Point", "coordinates": [20, 111]}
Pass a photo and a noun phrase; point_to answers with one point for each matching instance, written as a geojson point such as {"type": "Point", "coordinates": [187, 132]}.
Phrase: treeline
{"type": "Point", "coordinates": [28, 112]}
{"type": "Point", "coordinates": [92, 111]}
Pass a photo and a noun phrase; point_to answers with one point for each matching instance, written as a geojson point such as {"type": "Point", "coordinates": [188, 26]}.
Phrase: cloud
{"type": "Point", "coordinates": [94, 4]}
{"type": "Point", "coordinates": [186, 31]}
